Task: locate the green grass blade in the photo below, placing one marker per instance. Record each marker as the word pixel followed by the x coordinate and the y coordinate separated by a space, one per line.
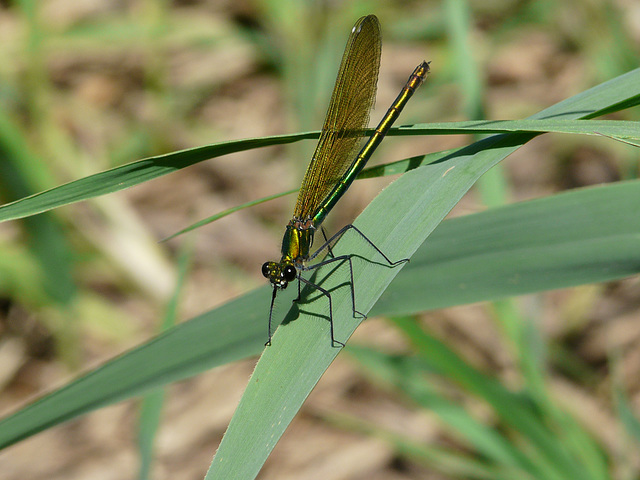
pixel 149 421
pixel 398 221
pixel 226 212
pixel 551 459
pixel 231 332
pixel 629 419
pixel 238 329
pixel 407 375
pixel 20 169
pixel 152 403
pixel 621 128
pixel 582 236
pixel 131 174
pixel 134 173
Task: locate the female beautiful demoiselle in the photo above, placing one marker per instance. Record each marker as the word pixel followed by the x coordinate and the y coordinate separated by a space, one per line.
pixel 335 163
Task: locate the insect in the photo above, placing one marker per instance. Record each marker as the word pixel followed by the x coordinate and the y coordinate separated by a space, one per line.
pixel 336 162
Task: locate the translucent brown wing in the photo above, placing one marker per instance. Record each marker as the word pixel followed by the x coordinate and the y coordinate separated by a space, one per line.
pixel 347 117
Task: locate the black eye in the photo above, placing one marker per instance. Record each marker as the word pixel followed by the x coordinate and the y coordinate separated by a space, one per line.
pixel 289 273
pixel 266 269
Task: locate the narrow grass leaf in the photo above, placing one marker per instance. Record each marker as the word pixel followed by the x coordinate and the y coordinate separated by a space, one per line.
pixel 152 403
pixel 226 212
pixel 135 173
pixel 549 457
pixel 131 174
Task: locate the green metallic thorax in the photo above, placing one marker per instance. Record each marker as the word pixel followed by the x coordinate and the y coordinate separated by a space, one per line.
pixel 297 241
pixel 296 245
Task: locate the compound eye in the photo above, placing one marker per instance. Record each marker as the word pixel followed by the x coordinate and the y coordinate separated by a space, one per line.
pixel 266 269
pixel 289 273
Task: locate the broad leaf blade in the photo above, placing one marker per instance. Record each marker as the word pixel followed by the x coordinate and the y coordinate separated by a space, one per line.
pixel 398 221
pixel 431 280
pixel 577 237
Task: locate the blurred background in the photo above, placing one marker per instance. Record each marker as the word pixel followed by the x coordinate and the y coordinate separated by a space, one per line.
pixel 86 85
